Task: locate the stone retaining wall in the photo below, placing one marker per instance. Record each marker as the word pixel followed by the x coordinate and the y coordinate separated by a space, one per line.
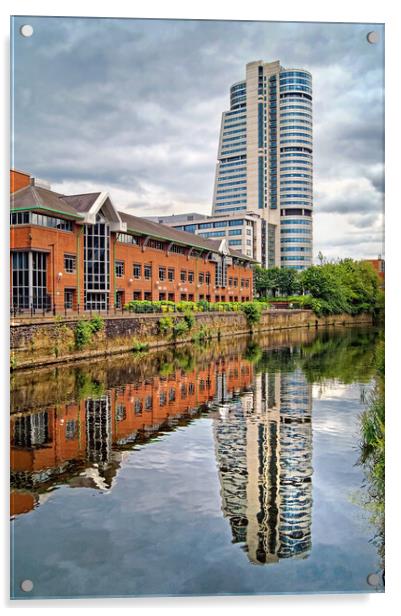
pixel 47 341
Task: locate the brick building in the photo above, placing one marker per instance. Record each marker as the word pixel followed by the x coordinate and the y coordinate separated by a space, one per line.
pixel 78 441
pixel 378 266
pixel 79 252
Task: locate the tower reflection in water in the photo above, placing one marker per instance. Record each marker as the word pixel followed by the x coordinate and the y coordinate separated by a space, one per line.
pixel 263 442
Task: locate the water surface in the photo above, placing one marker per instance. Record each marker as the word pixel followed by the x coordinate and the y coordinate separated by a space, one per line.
pixel 226 469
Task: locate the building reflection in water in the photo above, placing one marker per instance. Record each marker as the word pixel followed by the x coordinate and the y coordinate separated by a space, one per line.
pixel 263 442
pixel 82 442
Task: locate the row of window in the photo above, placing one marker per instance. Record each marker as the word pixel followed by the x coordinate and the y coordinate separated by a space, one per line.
pixel 296 240
pixel 298 231
pixel 164 273
pixel 295 113
pixel 285 182
pixel 221 209
pixel 285 103
pixel 295 258
pixel 230 177
pixel 228 152
pixel 296 87
pixel 296 141
pixel 31 218
pixel 238 139
pixel 297 73
pixel 295 175
pixel 230 202
pixel 232 183
pixel 241 190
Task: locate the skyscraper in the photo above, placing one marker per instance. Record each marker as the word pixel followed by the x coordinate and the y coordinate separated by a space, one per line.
pixel 265 160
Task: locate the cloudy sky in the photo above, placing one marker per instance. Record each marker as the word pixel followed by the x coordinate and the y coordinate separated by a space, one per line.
pixel 134 107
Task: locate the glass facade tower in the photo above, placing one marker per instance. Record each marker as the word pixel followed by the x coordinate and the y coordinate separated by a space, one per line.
pixel 265 160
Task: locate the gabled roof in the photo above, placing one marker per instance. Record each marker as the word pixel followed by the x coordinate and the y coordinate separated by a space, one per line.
pixel 91 204
pixel 36 198
pixel 143 226
pixel 85 207
pixel 82 203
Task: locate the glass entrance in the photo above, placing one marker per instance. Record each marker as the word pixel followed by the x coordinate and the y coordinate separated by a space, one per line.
pixel 97 265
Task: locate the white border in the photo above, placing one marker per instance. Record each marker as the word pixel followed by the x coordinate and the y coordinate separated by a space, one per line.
pixel 340 11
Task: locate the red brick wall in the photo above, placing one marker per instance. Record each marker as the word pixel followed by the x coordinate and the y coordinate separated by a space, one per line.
pixel 58 243
pixel 18 179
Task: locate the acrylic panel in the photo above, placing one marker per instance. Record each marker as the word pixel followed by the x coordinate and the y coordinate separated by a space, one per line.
pixel 197 279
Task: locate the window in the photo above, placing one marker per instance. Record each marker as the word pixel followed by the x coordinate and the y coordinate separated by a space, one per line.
pixel 190 276
pixel 178 249
pixel 119 265
pixel 156 244
pixel 147 272
pixel 191 297
pixel 71 429
pixel 147 296
pixel 68 298
pixel 21 218
pixel 207 277
pixel 162 273
pixel 121 412
pixel 137 295
pixel 183 275
pixel 137 270
pixel 235 282
pixel 201 277
pixel 170 274
pixel 125 238
pixel 70 263
pixel 138 406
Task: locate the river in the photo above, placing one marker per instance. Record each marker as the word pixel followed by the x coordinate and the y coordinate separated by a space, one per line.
pixel 224 468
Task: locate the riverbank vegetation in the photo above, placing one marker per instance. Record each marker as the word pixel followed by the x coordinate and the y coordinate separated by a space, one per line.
pixel 347 286
pixel 373 452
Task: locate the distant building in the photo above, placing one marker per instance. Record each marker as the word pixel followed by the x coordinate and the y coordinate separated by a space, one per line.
pixel 265 160
pixel 242 231
pixel 378 266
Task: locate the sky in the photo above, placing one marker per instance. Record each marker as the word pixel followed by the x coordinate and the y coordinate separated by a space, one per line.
pixel 133 107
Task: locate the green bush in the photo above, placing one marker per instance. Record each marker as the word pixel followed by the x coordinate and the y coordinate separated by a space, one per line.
pixel 180 328
pixel 166 325
pixel 189 320
pixel 252 311
pixel 96 323
pixel 85 329
pixel 83 334
pixel 139 347
pixel 204 334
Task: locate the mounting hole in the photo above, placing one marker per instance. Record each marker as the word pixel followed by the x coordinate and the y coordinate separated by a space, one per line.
pixel 373 579
pixel 26 30
pixel 27 585
pixel 373 37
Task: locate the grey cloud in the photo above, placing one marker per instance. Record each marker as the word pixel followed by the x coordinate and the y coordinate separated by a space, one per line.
pixel 135 105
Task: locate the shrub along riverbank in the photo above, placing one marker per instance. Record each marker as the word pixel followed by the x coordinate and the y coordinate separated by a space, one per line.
pixel 349 287
pixel 373 452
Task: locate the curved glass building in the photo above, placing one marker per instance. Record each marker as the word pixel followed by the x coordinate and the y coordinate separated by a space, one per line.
pixel 265 160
